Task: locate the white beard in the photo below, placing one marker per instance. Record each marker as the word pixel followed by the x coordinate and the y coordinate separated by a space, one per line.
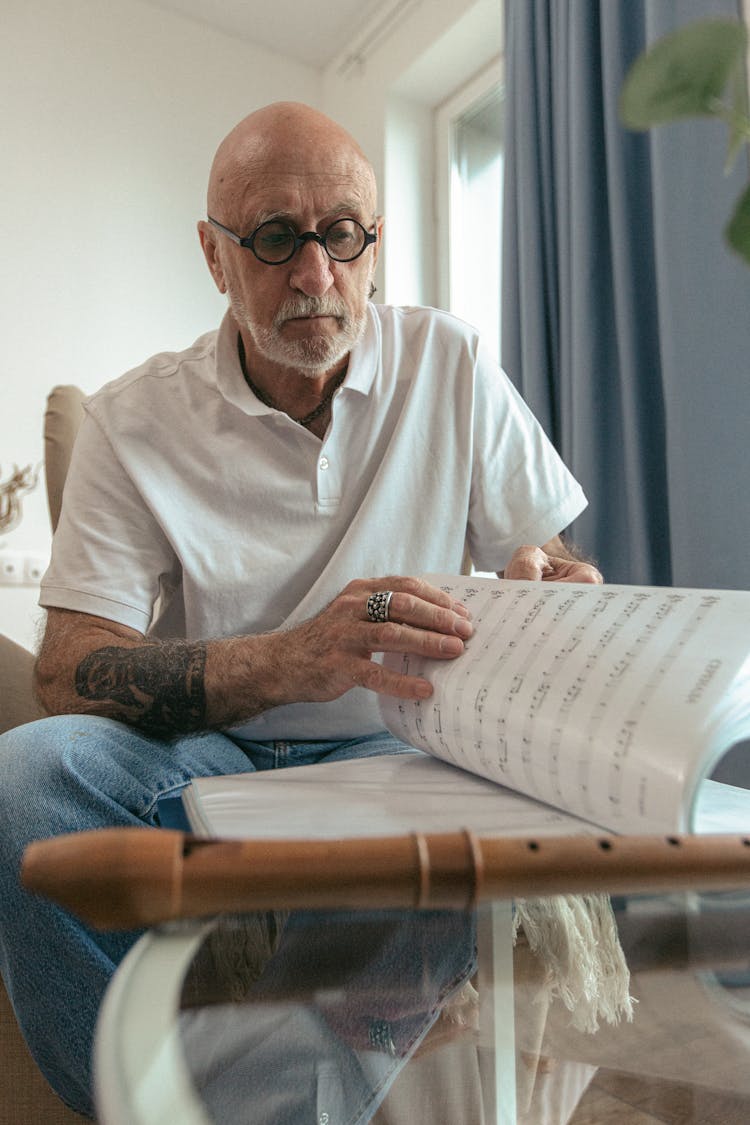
pixel 313 355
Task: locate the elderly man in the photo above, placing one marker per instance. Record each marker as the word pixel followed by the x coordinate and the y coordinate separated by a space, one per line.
pixel 208 605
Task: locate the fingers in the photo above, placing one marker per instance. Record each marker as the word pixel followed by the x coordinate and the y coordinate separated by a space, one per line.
pixel 571 570
pixel 416 612
pixel 423 621
pixel 329 654
pixel 533 564
pixel 529 563
pixel 412 602
pixel 392 637
pixel 384 681
pixel 413 599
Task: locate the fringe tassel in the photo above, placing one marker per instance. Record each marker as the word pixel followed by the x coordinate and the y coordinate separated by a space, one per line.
pixel 575 937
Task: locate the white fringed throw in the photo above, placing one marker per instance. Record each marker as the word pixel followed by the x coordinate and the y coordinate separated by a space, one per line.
pixel 576 939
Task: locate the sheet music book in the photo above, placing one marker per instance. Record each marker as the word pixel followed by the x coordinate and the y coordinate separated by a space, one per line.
pixel 574 708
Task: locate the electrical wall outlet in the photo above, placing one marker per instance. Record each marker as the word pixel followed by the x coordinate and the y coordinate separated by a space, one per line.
pixel 34 567
pixel 22 568
pixel 11 568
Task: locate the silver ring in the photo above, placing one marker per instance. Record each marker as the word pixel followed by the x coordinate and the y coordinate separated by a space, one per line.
pixel 378 605
pixel 380 1036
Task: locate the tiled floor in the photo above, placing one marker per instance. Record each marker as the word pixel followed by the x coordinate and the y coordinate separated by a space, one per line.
pixel 683 1060
pixel 619 1099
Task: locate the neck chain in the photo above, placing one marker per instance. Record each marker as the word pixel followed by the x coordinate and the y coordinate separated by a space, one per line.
pixel 264 398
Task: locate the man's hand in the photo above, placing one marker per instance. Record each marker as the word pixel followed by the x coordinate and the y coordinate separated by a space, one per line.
pixel 93 666
pixel 553 562
pixel 325 657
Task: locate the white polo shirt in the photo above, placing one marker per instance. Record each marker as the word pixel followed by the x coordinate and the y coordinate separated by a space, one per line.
pixel 184 486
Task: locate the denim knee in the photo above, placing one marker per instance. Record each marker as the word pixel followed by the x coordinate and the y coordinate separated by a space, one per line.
pixel 69 773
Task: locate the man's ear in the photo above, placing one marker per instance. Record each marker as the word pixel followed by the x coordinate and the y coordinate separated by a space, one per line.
pixel 379 228
pixel 379 225
pixel 209 246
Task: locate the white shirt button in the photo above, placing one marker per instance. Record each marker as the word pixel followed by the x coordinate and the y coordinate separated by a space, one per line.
pixel 323 463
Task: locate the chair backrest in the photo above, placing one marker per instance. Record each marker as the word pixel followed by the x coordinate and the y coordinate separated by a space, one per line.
pixel 17 703
pixel 61 421
pixel 62 418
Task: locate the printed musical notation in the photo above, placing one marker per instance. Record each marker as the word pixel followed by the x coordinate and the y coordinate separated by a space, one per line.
pixel 565 692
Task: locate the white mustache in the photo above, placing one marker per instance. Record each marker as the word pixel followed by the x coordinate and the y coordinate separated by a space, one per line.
pixel 310 306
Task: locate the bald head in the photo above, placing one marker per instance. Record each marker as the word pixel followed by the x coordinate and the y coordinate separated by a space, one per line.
pixel 285 139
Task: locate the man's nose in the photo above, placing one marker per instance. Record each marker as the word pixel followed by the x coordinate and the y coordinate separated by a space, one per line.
pixel 311 270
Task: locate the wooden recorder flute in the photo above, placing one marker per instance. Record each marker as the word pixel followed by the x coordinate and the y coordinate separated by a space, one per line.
pixel 127 878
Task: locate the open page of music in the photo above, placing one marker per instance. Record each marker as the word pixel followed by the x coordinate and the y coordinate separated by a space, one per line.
pixel 387 795
pixel 610 702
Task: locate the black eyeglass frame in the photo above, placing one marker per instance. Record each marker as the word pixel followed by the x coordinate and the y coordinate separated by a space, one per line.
pixel 248 243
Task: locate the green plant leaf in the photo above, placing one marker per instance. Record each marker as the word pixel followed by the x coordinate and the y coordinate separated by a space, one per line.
pixel 684 74
pixel 738 228
pixel 738 118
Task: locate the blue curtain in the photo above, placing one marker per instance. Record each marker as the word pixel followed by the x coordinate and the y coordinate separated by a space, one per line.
pixel 626 320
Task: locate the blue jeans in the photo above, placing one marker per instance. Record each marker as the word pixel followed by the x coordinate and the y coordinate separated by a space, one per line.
pixel 69 774
pixel 285 1036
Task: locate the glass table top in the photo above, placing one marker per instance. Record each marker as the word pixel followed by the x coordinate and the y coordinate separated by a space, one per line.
pixel 575 1009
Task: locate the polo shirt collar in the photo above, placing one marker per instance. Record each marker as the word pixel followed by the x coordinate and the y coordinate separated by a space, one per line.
pixel 229 378
pixel 363 363
pixel 365 356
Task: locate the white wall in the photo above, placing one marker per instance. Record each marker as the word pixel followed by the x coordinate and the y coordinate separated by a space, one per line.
pixel 112 112
pixel 410 269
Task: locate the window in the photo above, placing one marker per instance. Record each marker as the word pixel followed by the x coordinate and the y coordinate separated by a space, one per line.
pixel 469 146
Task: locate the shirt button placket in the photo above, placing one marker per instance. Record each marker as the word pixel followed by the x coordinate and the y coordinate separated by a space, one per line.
pixel 327 484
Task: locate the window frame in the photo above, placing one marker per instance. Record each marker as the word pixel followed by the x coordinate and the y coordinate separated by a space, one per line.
pixel 446 115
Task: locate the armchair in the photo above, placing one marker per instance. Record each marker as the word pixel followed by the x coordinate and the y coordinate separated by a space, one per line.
pixel 25 1097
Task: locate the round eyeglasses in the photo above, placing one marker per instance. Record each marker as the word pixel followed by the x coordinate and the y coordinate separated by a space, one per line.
pixel 274 242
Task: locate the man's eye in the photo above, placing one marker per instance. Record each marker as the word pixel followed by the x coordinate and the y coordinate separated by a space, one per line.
pixel 343 238
pixel 273 240
pixel 340 237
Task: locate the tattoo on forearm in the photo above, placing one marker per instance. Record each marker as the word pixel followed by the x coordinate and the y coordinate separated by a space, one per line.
pixel 157 687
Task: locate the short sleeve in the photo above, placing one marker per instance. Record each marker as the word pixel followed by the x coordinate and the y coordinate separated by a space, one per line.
pixel 109 555
pixel 521 492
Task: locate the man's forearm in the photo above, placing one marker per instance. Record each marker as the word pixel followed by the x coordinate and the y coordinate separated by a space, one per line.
pixel 164 688
pixel 159 688
pixel 93 666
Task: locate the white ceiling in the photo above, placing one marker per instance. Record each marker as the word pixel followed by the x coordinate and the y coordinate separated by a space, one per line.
pixel 311 31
